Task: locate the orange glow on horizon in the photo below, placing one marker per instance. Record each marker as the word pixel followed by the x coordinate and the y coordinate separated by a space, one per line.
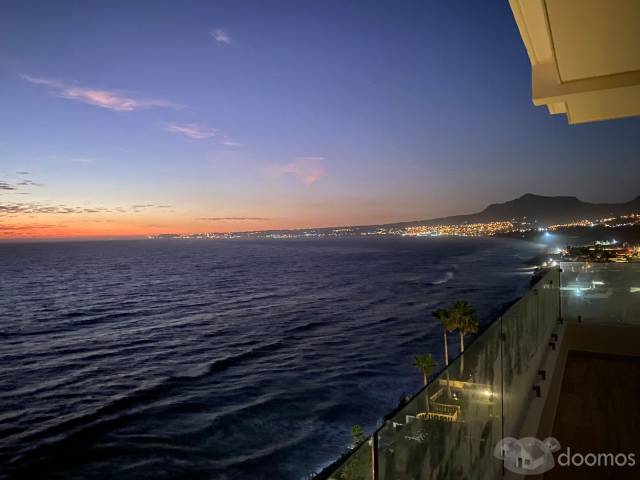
pixel 52 226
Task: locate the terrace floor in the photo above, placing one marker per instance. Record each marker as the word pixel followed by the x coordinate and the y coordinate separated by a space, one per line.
pixel 598 411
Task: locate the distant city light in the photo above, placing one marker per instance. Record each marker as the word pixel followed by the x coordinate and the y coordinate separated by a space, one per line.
pixel 484 229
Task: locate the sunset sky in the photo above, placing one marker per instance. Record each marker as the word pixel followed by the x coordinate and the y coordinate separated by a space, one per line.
pixel 132 118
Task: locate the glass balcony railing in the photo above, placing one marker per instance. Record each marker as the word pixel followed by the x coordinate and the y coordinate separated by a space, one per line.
pixel 450 428
pixel 601 292
pixel 359 465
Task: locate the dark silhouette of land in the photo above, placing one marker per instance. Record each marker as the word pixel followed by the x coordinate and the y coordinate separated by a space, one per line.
pixel 532 210
pixel 540 209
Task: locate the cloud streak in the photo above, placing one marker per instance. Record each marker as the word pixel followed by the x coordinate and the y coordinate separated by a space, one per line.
pixel 221 37
pixel 12 209
pixel 36 208
pixel 146 206
pixel 308 169
pixel 12 230
pixel 239 219
pixel 192 130
pixel 110 99
pixel 27 182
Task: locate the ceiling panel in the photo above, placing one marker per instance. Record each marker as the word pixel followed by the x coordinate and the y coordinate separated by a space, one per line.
pixel 593 38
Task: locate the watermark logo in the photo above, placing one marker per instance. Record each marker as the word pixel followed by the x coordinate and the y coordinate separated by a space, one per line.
pixel 532 456
pixel 527 456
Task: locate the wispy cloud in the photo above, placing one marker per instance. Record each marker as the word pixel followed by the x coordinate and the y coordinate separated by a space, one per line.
pixel 24 182
pixel 192 130
pixel 35 208
pixel 241 219
pixel 142 207
pixel 110 99
pixel 10 209
pixel 43 81
pixel 12 230
pixel 221 37
pixel 307 169
pixel 231 143
pixel 138 208
pixel 27 182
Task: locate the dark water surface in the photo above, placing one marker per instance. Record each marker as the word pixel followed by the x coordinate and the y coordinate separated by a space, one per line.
pixel 245 359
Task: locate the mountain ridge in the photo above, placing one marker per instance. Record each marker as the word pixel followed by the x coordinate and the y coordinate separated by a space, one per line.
pixel 536 210
pixel 540 209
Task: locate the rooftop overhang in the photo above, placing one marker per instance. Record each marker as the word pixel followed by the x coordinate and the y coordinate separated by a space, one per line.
pixel 585 56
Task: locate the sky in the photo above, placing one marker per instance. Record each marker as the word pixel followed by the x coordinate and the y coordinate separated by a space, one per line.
pixel 136 118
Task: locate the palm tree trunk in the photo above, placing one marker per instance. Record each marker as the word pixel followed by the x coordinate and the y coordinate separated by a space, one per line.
pixel 426 391
pixel 446 349
pixel 446 361
pixel 461 352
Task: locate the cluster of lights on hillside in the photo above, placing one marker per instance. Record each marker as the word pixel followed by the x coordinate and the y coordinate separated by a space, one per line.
pixel 462 230
pixel 610 222
pixel 480 229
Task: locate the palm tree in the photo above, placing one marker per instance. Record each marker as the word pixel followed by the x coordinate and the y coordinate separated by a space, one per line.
pixel 357 435
pixel 426 364
pixel 465 320
pixel 444 316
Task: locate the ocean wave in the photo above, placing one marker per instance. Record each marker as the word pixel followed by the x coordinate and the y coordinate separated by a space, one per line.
pixel 218 359
pixel 448 275
pixel 120 409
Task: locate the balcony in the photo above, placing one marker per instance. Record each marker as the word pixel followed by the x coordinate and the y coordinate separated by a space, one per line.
pixel 562 362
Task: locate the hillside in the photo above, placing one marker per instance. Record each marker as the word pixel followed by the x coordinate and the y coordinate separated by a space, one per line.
pixel 542 210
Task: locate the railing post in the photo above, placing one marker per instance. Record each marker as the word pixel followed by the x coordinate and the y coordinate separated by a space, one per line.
pixel 374 456
pixel 503 339
pixel 560 295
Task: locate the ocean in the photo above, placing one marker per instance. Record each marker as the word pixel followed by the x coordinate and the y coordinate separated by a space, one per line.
pixel 223 359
